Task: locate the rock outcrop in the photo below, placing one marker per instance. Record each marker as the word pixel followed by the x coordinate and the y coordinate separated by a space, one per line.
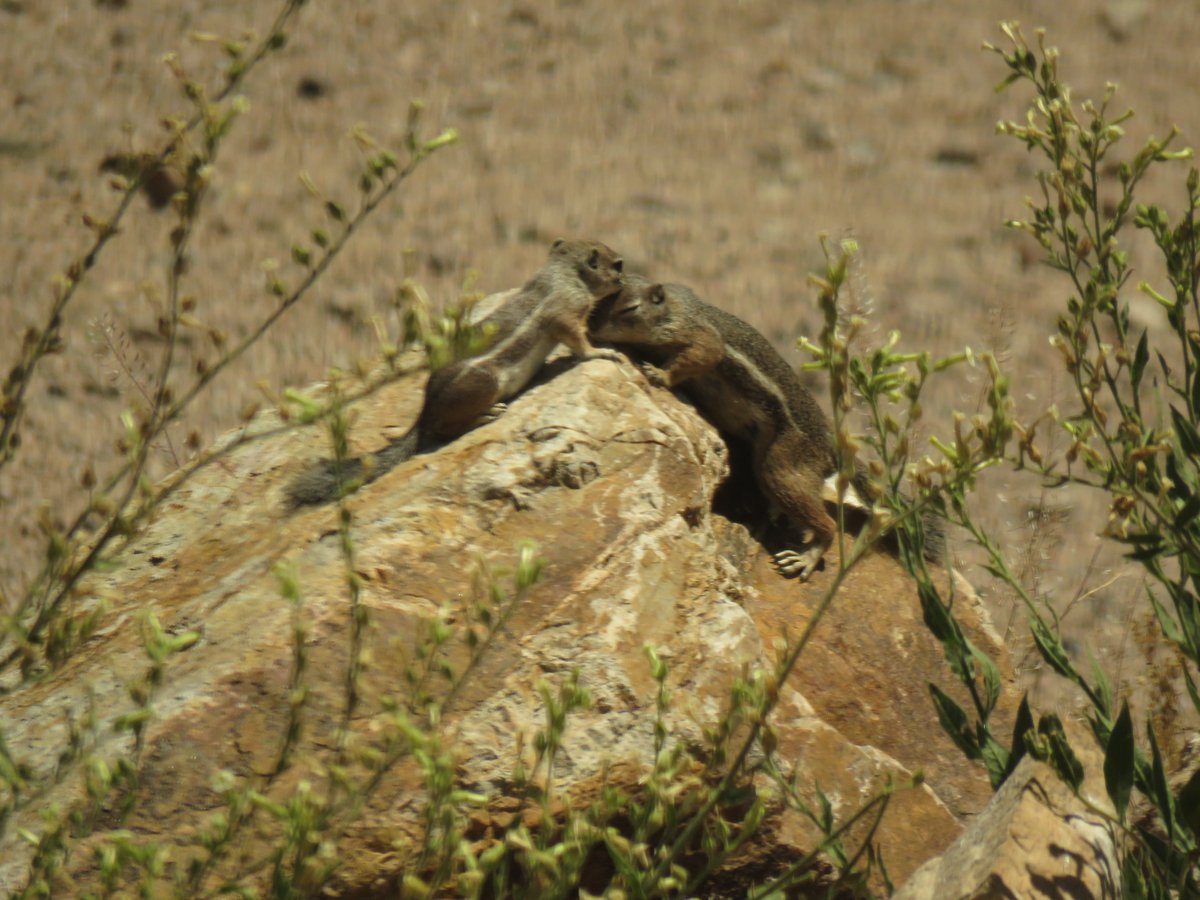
pixel 615 481
pixel 1034 839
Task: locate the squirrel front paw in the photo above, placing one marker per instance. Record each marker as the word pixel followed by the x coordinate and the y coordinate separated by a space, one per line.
pixel 655 375
pixel 792 564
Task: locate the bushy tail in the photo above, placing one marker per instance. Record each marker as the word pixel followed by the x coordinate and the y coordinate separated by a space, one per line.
pixel 328 479
pixel 863 494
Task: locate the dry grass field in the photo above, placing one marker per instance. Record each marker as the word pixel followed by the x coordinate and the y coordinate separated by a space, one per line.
pixel 709 142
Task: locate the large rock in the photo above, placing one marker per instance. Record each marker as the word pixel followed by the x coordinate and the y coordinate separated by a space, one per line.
pixel 1036 838
pixel 615 481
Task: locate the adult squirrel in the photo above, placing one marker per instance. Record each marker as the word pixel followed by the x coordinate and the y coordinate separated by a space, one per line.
pixel 551 308
pixel 746 389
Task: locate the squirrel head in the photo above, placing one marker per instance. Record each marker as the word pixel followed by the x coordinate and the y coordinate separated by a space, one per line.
pixel 639 312
pixel 596 264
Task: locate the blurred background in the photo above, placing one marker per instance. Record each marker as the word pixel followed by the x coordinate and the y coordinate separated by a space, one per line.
pixel 711 143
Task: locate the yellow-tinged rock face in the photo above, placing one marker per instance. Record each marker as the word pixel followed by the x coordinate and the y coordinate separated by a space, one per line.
pixel 615 482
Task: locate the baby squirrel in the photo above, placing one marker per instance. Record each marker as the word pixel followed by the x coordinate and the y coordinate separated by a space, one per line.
pixel 551 308
pixel 745 388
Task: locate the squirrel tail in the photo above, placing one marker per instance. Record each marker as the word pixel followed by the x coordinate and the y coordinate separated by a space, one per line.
pixel 933 536
pixel 328 479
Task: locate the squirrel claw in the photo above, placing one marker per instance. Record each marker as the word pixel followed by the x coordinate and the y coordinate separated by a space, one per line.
pixel 798 565
pixel 495 411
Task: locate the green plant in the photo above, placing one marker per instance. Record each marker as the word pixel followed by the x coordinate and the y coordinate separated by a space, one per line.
pixel 1132 437
pixel 44 627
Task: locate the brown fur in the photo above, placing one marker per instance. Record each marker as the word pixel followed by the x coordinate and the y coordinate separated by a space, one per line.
pixel 746 390
pixel 551 308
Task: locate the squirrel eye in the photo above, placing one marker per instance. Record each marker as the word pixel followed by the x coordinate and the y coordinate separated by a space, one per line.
pixel 657 294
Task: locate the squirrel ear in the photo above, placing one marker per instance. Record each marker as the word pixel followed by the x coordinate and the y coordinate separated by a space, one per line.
pixel 558 243
pixel 658 294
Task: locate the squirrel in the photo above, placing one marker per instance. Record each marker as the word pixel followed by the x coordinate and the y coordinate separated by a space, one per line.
pixel 551 308
pixel 746 389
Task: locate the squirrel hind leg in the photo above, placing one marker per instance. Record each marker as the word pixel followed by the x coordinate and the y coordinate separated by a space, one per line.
pixel 459 401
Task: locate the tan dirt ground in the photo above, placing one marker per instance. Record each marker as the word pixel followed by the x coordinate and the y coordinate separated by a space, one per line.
pixel 709 142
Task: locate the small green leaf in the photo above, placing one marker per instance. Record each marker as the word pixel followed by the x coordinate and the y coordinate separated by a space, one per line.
pixel 826 818
pixel 995 758
pixel 955 723
pixel 1133 879
pixel 1009 79
pixel 1189 804
pixel 1189 440
pixel 183 641
pixel 1051 647
pixel 991 675
pixel 1194 394
pixel 1163 365
pixel 1169 628
pixel 1193 691
pixel 1023 725
pixel 1159 786
pixel 1118 762
pixel 1060 757
pixel 1102 687
pixel 133 719
pixel 939 621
